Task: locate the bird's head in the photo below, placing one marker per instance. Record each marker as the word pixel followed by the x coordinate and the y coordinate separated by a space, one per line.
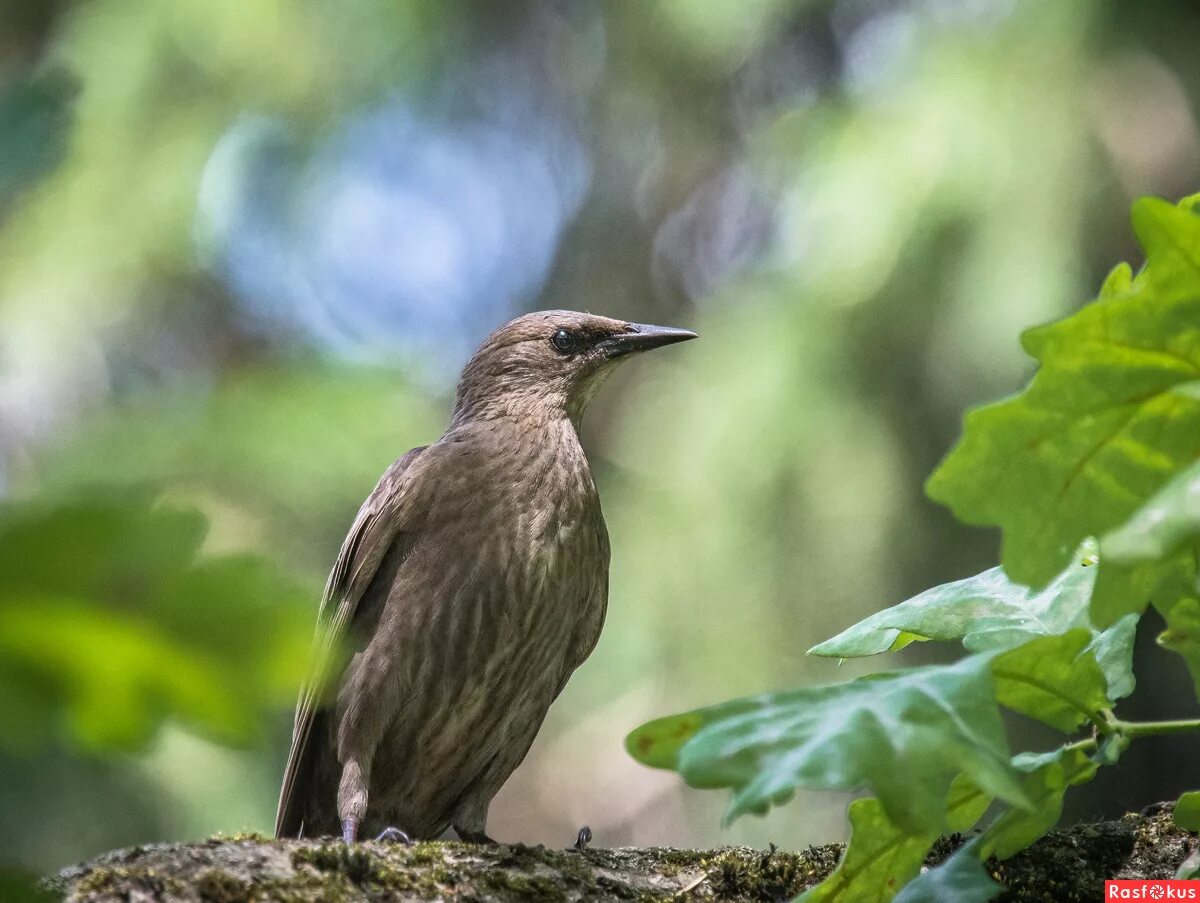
pixel 551 363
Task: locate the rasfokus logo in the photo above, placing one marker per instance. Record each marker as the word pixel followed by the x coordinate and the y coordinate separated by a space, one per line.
pixel 1165 889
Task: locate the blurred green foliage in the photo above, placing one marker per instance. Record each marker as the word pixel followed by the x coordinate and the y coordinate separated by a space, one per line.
pixel 160 83
pixel 296 445
pixel 35 120
pixel 109 622
pixel 21 887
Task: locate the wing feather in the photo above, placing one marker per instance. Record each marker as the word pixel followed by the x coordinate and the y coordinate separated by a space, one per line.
pixel 377 526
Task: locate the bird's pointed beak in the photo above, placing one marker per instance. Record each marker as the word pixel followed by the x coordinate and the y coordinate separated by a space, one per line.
pixel 643 337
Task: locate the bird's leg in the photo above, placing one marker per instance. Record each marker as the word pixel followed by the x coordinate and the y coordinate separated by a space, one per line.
pixel 583 838
pixel 466 835
pixel 352 799
pixel 393 835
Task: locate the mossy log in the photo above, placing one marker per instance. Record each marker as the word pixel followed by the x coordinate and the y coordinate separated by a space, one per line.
pixel 1067 865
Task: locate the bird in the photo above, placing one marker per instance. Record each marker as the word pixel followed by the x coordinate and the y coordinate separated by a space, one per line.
pixel 472 583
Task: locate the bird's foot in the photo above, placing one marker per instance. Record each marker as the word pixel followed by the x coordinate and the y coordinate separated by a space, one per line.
pixel 582 839
pixel 350 830
pixel 468 836
pixel 393 835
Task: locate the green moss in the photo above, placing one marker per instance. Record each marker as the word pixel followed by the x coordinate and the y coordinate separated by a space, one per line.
pixel 425 853
pixel 771 875
pixel 420 870
pixel 104 881
pixel 681 858
pixel 509 872
pixel 306 889
pixel 250 837
pixel 97 881
pixel 355 862
pixel 217 886
pixel 521 886
pixel 670 865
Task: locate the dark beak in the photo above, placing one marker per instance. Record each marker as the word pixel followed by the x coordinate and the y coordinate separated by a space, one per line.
pixel 640 337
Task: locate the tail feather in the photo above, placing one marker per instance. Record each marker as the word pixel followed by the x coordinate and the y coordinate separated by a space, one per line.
pixel 298 781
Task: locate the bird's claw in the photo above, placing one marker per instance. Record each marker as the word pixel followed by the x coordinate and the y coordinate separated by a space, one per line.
pixel 582 839
pixel 393 835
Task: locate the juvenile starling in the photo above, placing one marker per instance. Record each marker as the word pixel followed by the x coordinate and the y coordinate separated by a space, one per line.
pixel 473 582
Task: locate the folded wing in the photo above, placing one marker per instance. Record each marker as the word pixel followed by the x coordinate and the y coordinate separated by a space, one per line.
pixel 378 527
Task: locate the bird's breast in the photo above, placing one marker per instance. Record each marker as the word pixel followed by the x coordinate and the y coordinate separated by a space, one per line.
pixel 517 552
pixel 550 538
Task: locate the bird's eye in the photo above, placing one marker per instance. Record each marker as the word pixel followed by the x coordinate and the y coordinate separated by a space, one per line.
pixel 563 342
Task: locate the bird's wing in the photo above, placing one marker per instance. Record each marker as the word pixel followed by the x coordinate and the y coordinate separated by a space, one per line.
pixel 380 521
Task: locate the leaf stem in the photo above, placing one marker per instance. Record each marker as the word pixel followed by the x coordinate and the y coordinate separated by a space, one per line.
pixel 1153 728
pixel 1102 724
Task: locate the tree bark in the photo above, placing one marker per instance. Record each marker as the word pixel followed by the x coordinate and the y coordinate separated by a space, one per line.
pixel 1066 865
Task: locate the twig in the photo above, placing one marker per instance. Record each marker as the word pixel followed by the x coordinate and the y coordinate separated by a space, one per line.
pixel 691 887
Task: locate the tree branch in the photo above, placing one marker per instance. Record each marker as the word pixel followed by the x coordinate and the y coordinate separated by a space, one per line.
pixel 1064 866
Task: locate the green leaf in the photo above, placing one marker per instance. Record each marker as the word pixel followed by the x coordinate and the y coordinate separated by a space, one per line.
pixel 111 622
pixel 902 734
pixel 1159 542
pixel 1183 635
pixel 1187 811
pixel 960 879
pixel 1112 748
pixel 1190 867
pixel 1161 525
pixel 1123 588
pixel 1054 679
pixel 1117 282
pixel 989 611
pixel 1113 649
pixel 1048 777
pixel 879 859
pixel 1187 816
pixel 965 804
pixel 116 544
pixel 116 676
pixel 1108 419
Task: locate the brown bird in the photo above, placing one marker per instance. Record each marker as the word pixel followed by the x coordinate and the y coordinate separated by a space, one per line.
pixel 473 582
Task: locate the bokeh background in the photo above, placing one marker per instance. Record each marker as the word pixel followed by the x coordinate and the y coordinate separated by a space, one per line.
pixel 245 246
